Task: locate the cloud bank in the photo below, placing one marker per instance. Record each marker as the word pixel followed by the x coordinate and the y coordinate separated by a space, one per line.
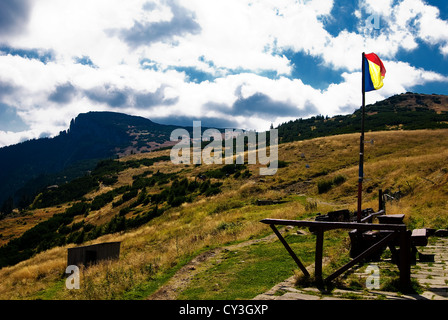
pixel 242 63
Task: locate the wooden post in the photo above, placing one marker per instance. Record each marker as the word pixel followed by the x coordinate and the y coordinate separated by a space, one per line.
pixel 380 200
pixel 318 255
pixel 405 261
pixel 361 142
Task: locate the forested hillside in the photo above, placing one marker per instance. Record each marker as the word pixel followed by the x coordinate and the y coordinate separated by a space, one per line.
pixel 409 111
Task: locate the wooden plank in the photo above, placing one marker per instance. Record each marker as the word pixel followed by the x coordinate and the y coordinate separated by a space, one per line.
pixel 327 225
pixel 372 215
pixel 291 253
pixel 391 218
pixel 419 233
pixel 419 237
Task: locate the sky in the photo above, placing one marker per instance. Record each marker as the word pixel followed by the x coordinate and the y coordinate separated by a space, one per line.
pixel 228 63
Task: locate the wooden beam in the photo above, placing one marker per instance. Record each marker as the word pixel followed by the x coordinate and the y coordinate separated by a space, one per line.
pixel 327 225
pixel 370 216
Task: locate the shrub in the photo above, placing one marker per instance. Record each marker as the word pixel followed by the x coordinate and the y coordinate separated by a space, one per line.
pixel 109 180
pixel 129 195
pixel 124 211
pixel 73 190
pixel 325 185
pixel 246 174
pixel 282 164
pixel 212 191
pixel 339 179
pixel 229 226
pixel 204 186
pixel 102 199
pixel 77 209
pixel 176 201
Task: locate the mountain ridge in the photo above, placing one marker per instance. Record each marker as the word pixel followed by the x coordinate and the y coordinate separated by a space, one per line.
pixel 91 137
pixel 32 165
pixel 407 111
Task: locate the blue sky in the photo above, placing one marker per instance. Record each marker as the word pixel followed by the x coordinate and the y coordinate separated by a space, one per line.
pixel 241 63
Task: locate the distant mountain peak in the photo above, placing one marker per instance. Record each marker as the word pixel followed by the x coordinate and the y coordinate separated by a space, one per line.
pixel 90 137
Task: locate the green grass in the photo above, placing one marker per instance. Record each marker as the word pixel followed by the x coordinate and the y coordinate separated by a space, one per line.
pixel 249 271
pixel 146 288
pixel 51 292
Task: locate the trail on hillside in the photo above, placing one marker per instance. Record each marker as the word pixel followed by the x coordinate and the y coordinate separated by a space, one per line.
pixel 182 278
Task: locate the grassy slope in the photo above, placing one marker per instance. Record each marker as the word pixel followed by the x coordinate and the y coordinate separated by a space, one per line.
pixel 414 162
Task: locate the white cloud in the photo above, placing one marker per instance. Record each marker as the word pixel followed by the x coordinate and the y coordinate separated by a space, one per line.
pixel 421 20
pixel 401 75
pixel 237 40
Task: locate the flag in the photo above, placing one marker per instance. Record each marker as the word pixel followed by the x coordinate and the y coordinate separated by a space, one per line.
pixel 374 72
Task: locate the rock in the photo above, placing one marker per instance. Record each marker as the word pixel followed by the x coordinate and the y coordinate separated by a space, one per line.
pixel 441 233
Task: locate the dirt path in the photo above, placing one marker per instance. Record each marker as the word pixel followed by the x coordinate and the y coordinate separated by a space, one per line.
pixel 202 262
pixel 433 276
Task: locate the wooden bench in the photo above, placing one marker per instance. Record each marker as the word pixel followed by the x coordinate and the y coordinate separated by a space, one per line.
pixel 391 218
pixel 419 237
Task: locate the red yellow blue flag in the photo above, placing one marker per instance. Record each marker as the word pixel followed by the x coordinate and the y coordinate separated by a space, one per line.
pixel 374 72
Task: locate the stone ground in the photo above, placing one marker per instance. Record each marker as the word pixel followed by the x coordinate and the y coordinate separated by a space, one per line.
pixel 433 276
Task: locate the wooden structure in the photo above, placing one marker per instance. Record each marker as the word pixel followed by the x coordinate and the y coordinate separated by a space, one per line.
pixel 87 255
pixel 261 202
pixel 391 235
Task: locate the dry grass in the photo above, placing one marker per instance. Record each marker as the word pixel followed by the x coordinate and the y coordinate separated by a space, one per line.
pixel 149 250
pixel 416 162
pixel 30 276
pixel 15 225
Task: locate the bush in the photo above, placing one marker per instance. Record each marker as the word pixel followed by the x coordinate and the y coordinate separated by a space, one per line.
pixel 204 186
pixel 228 226
pixel 325 185
pixel 103 199
pixel 124 211
pixel 129 195
pixel 212 191
pixel 176 201
pixel 282 164
pixel 339 179
pixel 246 174
pixel 77 209
pixel 73 190
pixel 109 180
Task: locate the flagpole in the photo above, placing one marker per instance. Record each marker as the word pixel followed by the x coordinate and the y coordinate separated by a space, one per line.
pixel 361 142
